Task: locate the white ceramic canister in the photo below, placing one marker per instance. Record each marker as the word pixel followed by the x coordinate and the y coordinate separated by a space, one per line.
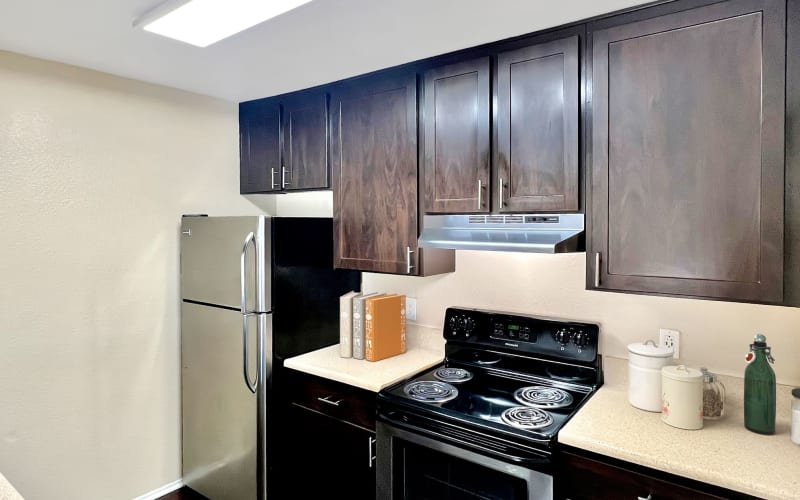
pixel 682 397
pixel 645 360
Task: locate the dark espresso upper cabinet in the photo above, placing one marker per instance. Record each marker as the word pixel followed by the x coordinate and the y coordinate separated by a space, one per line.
pixel 455 137
pixel 536 128
pixel 535 120
pixel 305 141
pixel 284 143
pixel 374 164
pixel 687 153
pixel 259 145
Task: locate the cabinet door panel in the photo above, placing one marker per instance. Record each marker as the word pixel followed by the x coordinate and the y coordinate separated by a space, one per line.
pixel 327 458
pixel 537 128
pixel 305 129
pixel 688 152
pixel 456 138
pixel 374 151
pixel 259 145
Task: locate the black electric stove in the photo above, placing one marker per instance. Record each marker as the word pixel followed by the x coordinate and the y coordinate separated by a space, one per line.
pixel 508 383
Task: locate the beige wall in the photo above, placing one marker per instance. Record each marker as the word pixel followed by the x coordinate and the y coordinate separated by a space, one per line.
pixel 95 172
pixel 713 334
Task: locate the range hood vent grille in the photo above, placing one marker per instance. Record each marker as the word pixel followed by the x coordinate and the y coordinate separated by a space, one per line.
pixel 512 232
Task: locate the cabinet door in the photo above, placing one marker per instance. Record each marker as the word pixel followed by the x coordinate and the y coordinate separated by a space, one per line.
pixel 687 153
pixel 581 478
pixel 305 141
pixel 374 164
pixel 455 131
pixel 259 146
pixel 327 458
pixel 536 149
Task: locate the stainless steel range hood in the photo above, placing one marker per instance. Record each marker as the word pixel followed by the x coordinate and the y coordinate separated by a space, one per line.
pixel 537 233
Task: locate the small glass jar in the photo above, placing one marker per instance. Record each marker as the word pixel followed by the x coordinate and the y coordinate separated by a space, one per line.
pixel 713 396
pixel 796 416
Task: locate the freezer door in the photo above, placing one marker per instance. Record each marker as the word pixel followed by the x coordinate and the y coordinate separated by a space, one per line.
pixel 219 254
pixel 223 443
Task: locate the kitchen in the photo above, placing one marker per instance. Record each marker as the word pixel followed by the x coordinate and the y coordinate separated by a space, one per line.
pixel 97 171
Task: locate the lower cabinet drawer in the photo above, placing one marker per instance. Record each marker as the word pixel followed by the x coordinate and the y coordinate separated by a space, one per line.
pixel 580 477
pixel 341 401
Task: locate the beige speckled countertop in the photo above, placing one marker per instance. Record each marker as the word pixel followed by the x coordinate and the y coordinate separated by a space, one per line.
pixel 723 453
pixel 373 376
pixel 7 492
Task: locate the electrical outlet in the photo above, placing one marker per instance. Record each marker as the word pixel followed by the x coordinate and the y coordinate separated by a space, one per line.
pixel 411 309
pixel 670 338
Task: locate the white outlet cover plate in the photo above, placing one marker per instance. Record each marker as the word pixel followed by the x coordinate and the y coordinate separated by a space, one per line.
pixel 676 335
pixel 411 309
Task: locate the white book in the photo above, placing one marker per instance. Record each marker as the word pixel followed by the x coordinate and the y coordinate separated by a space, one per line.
pixel 346 324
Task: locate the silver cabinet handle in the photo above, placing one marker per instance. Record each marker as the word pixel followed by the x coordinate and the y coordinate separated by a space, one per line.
pixel 248 240
pixel 284 183
pixel 371 455
pixel 597 270
pixel 480 194
pixel 409 267
pixel 500 193
pixel 272 177
pixel 326 400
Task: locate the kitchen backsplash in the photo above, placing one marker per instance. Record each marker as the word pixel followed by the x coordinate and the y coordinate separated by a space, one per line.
pixel 714 334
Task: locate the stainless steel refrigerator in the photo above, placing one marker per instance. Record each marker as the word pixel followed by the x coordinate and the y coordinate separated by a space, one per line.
pixel 255 290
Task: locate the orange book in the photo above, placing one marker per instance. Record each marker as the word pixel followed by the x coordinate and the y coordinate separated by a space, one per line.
pixel 384 326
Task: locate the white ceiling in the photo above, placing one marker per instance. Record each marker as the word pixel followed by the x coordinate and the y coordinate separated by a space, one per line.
pixel 320 42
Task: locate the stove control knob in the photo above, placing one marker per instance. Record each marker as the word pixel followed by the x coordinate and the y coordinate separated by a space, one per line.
pixel 563 336
pixel 580 339
pixel 469 325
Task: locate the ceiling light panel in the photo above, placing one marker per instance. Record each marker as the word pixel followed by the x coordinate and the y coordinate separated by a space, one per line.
pixel 203 22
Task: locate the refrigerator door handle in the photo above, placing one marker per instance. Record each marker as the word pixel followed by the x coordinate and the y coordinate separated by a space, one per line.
pixel 253 386
pixel 249 239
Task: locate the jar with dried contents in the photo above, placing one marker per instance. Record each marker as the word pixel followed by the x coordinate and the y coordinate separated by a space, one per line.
pixel 713 396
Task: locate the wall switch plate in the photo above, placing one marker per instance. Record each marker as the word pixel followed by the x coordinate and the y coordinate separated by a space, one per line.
pixel 411 309
pixel 670 338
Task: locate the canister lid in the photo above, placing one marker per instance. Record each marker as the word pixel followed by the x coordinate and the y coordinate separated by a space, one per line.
pixel 650 349
pixel 682 373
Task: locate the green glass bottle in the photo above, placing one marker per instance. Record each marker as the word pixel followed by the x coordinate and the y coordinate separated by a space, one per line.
pixel 759 388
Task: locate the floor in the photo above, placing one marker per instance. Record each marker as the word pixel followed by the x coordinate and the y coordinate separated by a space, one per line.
pixel 183 494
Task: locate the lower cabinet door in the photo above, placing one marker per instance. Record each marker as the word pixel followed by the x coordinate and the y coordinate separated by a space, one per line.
pixel 579 477
pixel 327 458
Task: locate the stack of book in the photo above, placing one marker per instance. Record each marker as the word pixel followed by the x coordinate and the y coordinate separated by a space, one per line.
pixel 372 326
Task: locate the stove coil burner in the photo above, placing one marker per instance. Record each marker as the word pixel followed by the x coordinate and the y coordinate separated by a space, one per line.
pixel 543 397
pixel 452 375
pixel 430 391
pixel 527 418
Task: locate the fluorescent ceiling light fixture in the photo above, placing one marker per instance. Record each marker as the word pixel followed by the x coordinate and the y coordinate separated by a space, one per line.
pixel 203 22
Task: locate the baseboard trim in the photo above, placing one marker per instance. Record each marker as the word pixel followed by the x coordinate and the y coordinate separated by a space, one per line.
pixel 160 492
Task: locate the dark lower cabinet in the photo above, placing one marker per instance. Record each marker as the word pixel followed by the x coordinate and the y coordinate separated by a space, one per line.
pixel 586 476
pixel 328 440
pixel 687 151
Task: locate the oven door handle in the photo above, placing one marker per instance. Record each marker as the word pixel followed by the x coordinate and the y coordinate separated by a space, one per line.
pixel 444 435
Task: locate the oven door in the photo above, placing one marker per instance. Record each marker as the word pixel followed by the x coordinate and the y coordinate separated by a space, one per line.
pixel 413 465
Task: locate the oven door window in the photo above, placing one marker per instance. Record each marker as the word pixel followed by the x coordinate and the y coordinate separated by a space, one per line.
pixel 432 475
